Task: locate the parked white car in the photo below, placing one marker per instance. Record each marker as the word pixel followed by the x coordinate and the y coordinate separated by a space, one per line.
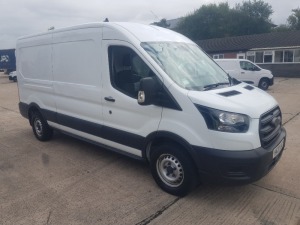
pixel 247 71
pixel 13 76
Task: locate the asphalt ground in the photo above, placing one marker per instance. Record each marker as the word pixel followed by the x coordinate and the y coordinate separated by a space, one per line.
pixel 67 181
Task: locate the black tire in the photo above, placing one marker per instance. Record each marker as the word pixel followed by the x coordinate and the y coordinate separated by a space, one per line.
pixel 15 79
pixel 40 127
pixel 173 169
pixel 264 84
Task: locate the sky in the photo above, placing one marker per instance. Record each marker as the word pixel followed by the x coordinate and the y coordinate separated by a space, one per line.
pixel 23 17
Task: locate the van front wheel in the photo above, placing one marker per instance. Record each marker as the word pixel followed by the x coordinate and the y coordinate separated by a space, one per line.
pixel 173 170
pixel 263 84
pixel 40 127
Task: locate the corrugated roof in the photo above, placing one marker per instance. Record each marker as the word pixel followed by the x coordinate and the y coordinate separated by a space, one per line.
pixel 247 42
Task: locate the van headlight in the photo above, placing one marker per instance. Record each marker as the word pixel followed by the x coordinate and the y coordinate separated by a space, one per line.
pixel 224 121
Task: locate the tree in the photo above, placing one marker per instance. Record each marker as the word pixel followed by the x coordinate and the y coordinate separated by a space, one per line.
pixel 217 21
pixel 161 23
pixel 256 9
pixel 206 22
pixel 258 14
pixel 281 28
pixel 294 19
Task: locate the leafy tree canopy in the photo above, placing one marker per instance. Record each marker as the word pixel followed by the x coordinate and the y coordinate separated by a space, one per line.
pixel 281 28
pixel 216 21
pixel 294 19
pixel 256 9
pixel 161 23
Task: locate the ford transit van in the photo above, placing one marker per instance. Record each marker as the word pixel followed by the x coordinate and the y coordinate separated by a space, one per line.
pixel 152 94
pixel 247 71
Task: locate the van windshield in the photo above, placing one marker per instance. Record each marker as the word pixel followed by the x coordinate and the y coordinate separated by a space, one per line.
pixel 187 65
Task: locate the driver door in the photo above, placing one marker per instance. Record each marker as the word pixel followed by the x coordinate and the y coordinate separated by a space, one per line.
pixel 249 72
pixel 126 123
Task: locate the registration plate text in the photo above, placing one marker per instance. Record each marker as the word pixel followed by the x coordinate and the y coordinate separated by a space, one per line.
pixel 278 149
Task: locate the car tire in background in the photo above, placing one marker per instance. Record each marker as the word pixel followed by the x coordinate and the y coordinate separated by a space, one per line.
pixel 264 84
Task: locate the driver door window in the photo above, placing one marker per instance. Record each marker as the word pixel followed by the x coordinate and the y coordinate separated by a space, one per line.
pixel 126 70
pixel 248 66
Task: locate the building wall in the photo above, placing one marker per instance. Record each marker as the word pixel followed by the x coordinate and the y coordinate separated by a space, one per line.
pixel 277 69
pixel 231 55
pixel 283 62
pixel 283 70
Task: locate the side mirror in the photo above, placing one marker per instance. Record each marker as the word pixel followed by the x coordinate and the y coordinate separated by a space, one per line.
pixel 147 91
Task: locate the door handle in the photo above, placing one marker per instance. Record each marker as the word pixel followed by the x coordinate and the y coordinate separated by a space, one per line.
pixel 109 99
pixel 242 72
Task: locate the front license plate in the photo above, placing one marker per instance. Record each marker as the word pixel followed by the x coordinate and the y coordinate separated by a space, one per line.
pixel 278 149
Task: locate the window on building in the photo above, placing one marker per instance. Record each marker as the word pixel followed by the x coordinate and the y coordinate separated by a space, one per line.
pixel 268 56
pixel 275 56
pixel 218 56
pixel 288 56
pixel 251 58
pixel 259 57
pixel 278 56
pixel 297 55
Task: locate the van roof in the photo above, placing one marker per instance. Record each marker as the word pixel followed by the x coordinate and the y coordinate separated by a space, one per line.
pixel 144 33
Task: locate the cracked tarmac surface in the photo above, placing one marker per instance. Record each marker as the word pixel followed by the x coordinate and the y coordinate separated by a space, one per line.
pixel 67 181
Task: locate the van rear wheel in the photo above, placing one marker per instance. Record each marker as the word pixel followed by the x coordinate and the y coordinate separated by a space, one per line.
pixel 173 170
pixel 40 127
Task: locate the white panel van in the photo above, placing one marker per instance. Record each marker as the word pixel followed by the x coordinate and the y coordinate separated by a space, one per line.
pixel 152 94
pixel 247 71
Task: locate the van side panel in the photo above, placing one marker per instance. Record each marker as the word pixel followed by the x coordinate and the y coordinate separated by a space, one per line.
pixel 77 75
pixel 34 71
pixel 232 67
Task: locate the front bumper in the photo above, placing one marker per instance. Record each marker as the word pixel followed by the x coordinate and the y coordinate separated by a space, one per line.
pixel 271 81
pixel 241 167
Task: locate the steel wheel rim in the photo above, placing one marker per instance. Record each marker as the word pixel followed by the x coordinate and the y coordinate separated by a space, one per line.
pixel 264 84
pixel 170 170
pixel 38 127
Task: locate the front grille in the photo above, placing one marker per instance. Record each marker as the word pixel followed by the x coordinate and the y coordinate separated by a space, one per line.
pixel 270 127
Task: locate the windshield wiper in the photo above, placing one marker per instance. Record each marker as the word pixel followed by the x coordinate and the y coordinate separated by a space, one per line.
pixel 212 86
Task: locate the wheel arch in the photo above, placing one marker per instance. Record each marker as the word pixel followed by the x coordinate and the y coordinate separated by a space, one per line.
pixel 159 137
pixel 264 78
pixel 33 107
